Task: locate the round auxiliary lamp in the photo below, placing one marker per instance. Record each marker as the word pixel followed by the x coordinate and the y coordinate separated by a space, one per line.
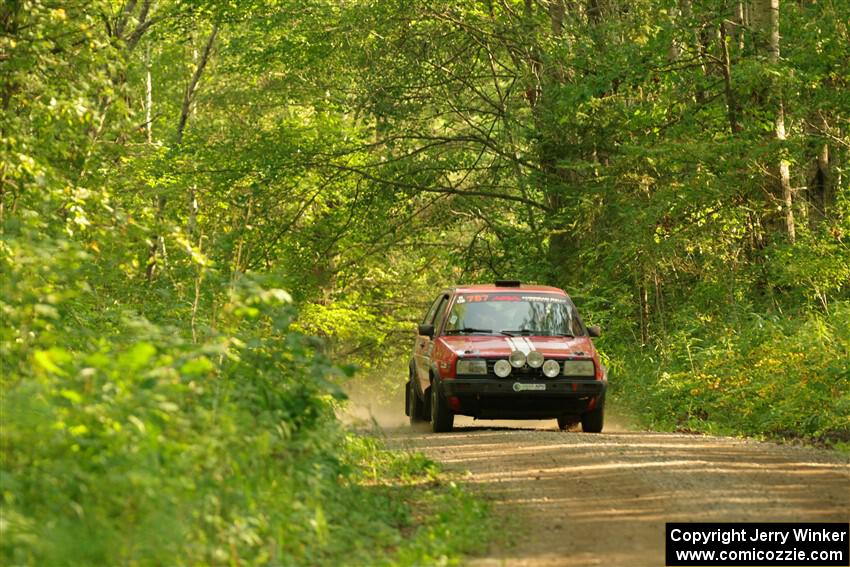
pixel 551 368
pixel 517 359
pixel 502 368
pixel 535 359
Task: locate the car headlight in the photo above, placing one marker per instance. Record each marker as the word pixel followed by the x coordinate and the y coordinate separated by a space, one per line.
pixel 471 367
pixel 579 368
pixel 502 368
pixel 517 359
pixel 535 359
pixel 551 368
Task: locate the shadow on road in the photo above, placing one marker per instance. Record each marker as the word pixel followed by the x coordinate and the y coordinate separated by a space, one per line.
pixel 569 498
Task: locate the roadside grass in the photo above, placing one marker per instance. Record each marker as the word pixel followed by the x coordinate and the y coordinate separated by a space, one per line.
pixel 436 520
pixel 403 509
pixel 380 508
pixel 786 380
pixel 127 441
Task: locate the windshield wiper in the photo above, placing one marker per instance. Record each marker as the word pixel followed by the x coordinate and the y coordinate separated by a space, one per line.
pixel 521 332
pixel 530 332
pixel 467 330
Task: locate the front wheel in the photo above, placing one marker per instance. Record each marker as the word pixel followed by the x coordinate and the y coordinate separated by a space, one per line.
pixel 592 421
pixel 442 419
pixel 415 406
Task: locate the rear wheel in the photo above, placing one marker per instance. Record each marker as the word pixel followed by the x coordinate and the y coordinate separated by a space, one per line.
pixel 565 423
pixel 415 406
pixel 442 419
pixel 592 421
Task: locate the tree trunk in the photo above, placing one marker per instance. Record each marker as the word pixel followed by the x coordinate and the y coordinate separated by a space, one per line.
pixel 821 184
pixel 643 299
pixel 148 97
pixel 188 97
pixel 785 178
pixel 700 43
pixel 768 28
pixel 561 245
pixel 741 18
pixel 731 102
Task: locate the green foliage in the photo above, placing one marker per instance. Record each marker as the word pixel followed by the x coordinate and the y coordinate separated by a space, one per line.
pixel 176 415
pixel 136 445
pixel 784 377
pixel 436 521
pixel 168 168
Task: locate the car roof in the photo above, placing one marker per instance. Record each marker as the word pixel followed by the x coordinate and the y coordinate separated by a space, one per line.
pixel 490 288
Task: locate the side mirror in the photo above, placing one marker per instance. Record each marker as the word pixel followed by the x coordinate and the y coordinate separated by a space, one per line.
pixel 594 331
pixel 426 330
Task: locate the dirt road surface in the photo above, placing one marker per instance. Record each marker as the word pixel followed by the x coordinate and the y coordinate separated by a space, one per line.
pixel 570 498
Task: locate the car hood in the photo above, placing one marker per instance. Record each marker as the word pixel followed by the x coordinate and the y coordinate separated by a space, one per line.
pixel 492 347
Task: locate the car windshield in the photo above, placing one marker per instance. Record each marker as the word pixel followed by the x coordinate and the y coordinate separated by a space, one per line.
pixel 513 314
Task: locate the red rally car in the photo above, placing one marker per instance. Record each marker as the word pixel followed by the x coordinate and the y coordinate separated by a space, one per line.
pixel 508 351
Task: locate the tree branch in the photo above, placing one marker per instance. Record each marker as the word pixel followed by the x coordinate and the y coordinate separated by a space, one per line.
pixel 193 84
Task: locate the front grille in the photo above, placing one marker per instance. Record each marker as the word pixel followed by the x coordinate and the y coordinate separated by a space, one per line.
pixel 525 373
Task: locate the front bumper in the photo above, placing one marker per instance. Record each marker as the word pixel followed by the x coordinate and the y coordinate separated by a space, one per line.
pixel 515 398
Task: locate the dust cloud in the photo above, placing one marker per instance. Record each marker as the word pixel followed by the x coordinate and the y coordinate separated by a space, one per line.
pixel 374 403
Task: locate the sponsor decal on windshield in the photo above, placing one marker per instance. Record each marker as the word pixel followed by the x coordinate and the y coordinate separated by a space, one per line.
pixel 544 298
pixel 481 298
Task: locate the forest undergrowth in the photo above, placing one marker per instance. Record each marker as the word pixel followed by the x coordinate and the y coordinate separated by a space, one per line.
pixel 214 213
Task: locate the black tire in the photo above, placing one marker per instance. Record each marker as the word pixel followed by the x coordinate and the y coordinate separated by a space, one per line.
pixel 407 398
pixel 442 419
pixel 564 423
pixel 415 407
pixel 592 421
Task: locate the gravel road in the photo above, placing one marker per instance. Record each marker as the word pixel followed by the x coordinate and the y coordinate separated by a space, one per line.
pixel 569 498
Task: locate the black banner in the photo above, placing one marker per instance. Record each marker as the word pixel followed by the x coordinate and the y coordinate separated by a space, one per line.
pixel 758 544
